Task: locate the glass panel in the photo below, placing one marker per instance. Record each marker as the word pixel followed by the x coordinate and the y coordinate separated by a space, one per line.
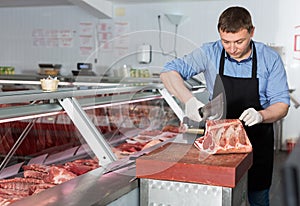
pixel 128 128
pixel 53 150
pixel 50 140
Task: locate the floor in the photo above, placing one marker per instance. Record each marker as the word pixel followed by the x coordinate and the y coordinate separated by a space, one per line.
pixel 275 192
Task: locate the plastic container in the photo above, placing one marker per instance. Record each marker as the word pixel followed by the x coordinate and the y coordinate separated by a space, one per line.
pixel 124 71
pixel 7 70
pixel 49 85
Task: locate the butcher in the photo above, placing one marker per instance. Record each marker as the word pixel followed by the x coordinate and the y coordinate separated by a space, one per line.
pixel 253 79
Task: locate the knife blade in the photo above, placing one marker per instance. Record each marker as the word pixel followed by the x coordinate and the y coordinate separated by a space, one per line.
pixel 213 110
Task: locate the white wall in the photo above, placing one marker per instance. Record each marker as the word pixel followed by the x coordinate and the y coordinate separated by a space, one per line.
pixel 16 40
pixel 274 22
pixel 289 18
pixel 199 24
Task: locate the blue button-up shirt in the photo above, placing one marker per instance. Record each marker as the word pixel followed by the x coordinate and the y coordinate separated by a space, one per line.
pixel 273 86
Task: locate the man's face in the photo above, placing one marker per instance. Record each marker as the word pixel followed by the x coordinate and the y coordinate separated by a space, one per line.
pixel 237 45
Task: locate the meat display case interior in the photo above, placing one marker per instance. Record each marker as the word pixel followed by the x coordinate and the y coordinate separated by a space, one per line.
pixel 51 138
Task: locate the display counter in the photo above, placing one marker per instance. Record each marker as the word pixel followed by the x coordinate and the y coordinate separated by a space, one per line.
pixel 32 81
pixel 27 81
pixel 93 188
pixel 102 133
pixel 78 146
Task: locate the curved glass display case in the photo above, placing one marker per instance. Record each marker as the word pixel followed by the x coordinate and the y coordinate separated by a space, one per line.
pixel 62 147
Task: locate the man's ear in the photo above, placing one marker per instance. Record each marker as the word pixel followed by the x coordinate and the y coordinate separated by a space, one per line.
pixel 252 32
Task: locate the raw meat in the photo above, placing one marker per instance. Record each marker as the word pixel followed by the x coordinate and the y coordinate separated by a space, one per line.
pixel 36 167
pixel 34 189
pixel 13 192
pixel 38 178
pixel 151 132
pixel 34 174
pixel 49 174
pixel 14 189
pixel 152 143
pixel 81 166
pixel 4 201
pixel 131 147
pixel 18 183
pixel 58 175
pixel 171 128
pixel 224 136
pixel 140 139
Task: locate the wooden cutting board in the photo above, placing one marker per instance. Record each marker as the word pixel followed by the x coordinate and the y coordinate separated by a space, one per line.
pixel 180 162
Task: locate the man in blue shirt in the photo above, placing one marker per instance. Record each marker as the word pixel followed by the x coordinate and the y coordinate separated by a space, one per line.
pixel 253 79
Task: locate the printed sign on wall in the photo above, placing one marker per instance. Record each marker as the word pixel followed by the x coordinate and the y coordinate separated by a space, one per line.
pixel 52 38
pixel 86 38
pixel 297 43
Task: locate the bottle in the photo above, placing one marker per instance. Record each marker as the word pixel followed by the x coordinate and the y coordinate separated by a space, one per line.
pixel 125 70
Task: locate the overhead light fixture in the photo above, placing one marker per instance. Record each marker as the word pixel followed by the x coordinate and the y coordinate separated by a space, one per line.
pixel 175 19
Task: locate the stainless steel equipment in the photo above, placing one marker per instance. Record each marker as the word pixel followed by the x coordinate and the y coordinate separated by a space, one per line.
pixel 49 69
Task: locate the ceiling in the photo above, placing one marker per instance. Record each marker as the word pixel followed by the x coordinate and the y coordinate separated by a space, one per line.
pixel 21 3
pixel 143 1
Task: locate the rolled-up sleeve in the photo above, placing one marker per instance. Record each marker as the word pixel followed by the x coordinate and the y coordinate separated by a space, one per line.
pixel 273 86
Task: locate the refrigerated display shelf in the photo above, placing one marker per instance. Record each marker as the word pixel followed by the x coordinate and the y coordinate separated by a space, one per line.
pixel 83 120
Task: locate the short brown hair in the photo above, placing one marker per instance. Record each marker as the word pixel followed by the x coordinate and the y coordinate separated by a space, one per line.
pixel 233 19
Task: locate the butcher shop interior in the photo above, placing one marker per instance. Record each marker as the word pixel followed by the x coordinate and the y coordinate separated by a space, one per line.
pixel 85 118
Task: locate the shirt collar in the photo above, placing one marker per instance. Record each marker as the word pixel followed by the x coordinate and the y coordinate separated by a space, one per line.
pixel 244 60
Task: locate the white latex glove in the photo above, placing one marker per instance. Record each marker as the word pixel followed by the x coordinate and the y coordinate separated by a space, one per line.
pixel 251 117
pixel 191 109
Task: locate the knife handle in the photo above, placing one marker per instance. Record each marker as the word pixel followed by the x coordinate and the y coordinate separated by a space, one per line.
pixel 193 124
pixel 190 123
pixel 195 131
pixel 200 112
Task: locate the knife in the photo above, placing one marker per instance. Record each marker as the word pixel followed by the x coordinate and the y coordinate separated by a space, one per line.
pixel 213 110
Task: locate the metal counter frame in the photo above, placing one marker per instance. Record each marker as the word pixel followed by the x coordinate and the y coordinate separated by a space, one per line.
pixel 161 192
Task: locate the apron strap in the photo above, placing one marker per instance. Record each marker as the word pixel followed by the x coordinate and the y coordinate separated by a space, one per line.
pixel 222 62
pixel 254 61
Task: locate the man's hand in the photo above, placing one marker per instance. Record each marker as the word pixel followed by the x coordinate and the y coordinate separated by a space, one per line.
pixel 251 117
pixel 192 107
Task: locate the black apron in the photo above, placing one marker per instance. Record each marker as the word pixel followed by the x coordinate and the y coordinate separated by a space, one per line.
pixel 241 94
